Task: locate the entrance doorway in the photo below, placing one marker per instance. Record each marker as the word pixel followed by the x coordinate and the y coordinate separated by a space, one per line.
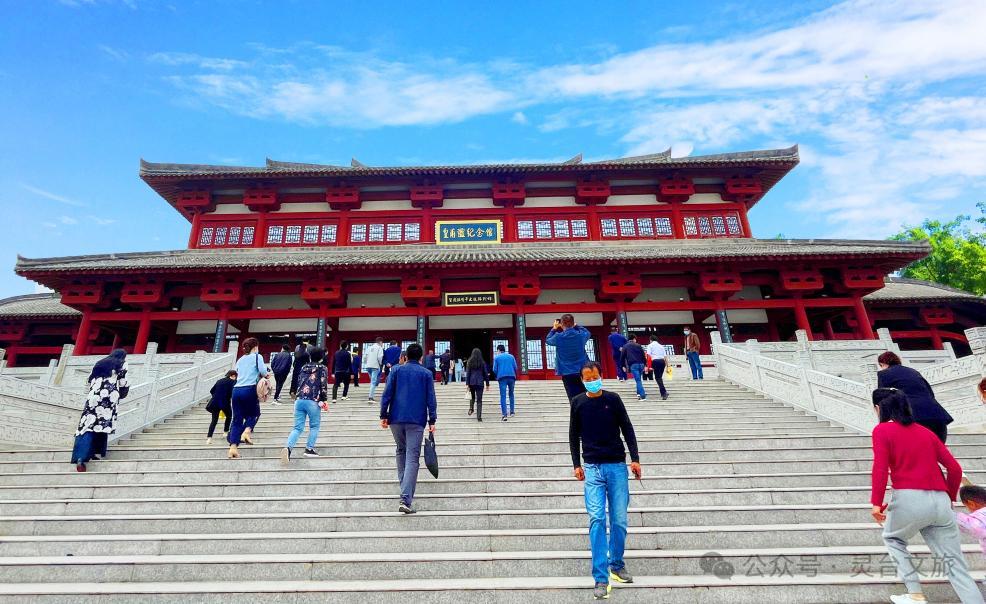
pixel 464 340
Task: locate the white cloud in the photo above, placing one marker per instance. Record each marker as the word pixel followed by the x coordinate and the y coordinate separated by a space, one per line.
pixel 518 117
pixel 115 53
pixel 101 221
pixel 52 196
pixel 67 220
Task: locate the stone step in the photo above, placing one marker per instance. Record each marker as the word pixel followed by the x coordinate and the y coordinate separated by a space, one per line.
pixel 443 565
pixel 846 588
pixel 428 501
pixel 441 540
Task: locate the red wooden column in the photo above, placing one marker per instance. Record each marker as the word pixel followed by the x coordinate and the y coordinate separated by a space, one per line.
pixel 745 222
pixel 865 327
pixel 260 235
pixel 193 238
pixel 936 339
pixel 427 225
pixel 801 316
pixel 82 337
pixel 143 331
pixel 677 222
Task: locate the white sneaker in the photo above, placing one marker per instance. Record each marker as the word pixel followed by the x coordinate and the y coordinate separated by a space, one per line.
pixel 905 599
pixel 208 441
pixel 345 398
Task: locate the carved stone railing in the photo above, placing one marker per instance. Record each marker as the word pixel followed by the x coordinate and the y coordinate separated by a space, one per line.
pixel 844 401
pixel 36 414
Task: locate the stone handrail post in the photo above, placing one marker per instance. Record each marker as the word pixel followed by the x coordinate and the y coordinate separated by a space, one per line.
pixel 63 363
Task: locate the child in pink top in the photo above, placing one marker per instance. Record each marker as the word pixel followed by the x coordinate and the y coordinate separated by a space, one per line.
pixel 973 523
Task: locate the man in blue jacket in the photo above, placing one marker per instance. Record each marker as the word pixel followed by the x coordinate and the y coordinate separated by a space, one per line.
pixel 505 370
pixel 408 403
pixel 616 343
pixel 391 357
pixel 568 340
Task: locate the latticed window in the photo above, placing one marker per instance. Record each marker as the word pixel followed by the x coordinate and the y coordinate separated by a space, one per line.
pixel 205 237
pixel 645 226
pixel 535 356
pixel 543 229
pixel 248 235
pixel 691 228
pixel 412 231
pixel 234 235
pixel 394 231
pixel 525 229
pixel 292 234
pixel 609 227
pixel 376 232
pixel 580 228
pixel 718 226
pixel 221 235
pixel 627 228
pixel 663 226
pixel 329 233
pixel 357 233
pixel 704 226
pixel 733 225
pixel 311 233
pixel 561 229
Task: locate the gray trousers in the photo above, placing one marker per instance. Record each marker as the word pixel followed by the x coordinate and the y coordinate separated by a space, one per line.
pixel 408 438
pixel 929 513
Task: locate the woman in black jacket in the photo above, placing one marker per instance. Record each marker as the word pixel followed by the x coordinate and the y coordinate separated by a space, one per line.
pixel 928 412
pixel 222 400
pixel 477 374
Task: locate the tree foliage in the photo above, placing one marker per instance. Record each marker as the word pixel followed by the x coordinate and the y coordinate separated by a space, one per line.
pixel 958 252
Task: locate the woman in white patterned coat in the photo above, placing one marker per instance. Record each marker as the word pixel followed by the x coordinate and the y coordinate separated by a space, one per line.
pixel 107 385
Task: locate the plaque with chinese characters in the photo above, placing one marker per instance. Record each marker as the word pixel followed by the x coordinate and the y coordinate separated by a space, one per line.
pixel 471 299
pixel 465 232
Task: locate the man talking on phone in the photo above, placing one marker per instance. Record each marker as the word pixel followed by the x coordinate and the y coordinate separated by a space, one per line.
pixel 568 340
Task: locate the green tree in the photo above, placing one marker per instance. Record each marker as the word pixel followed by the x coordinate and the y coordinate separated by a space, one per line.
pixel 958 253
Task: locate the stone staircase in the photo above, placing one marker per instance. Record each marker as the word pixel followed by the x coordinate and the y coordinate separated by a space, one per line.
pixel 779 497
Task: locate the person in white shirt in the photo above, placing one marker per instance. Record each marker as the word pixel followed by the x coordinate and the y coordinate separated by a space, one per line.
pixel 372 362
pixel 658 361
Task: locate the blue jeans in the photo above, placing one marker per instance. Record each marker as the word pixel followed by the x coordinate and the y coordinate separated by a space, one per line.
pixel 374 380
pixel 607 483
pixel 506 387
pixel 408 438
pixel 695 363
pixel 305 409
pixel 637 369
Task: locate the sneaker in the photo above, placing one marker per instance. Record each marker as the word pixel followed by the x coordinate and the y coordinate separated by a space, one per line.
pixel 345 398
pixel 275 403
pixel 80 467
pixel 664 397
pixel 405 509
pixel 285 455
pixel 503 419
pixel 479 419
pixel 208 441
pixel 311 453
pixel 620 576
pixel 511 414
pixel 601 592
pixel 905 599
pixel 641 398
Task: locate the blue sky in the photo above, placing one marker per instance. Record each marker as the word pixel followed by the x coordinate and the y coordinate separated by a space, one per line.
pixel 887 100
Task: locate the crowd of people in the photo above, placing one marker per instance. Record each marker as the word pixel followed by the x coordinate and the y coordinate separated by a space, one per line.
pixel 909 440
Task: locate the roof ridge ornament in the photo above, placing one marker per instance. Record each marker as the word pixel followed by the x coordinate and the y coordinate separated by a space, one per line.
pixel 574 161
pixel 357 163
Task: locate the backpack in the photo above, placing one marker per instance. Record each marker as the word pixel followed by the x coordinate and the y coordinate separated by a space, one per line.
pixel 310 383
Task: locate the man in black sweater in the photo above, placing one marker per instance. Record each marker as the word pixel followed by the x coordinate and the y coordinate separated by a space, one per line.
pixel 598 417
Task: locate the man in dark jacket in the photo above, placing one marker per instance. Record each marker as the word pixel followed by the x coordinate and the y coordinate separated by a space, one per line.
pixel 302 357
pixel 342 370
pixel 616 344
pixel 927 411
pixel 634 359
pixel 598 418
pixel 281 366
pixel 408 403
pixel 445 365
pixel 429 362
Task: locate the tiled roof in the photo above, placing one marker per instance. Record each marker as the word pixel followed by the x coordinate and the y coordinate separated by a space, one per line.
pixel 658 160
pixel 899 289
pixel 515 254
pixel 35 306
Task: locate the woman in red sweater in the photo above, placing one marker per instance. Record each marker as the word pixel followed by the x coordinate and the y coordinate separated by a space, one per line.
pixel 921 501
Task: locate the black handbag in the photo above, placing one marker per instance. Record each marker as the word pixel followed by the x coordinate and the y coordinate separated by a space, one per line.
pixel 431 455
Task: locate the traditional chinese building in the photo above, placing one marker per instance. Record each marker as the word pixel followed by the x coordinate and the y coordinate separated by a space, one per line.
pixel 476 256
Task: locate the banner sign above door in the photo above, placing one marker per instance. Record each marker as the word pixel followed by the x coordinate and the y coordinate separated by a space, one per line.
pixel 471 299
pixel 465 232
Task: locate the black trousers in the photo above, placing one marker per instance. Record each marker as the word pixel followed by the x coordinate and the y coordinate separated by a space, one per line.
pixel 215 420
pixel 341 377
pixel 445 376
pixel 294 378
pixel 659 365
pixel 939 428
pixel 573 385
pixel 476 397
pixel 356 379
pixel 279 379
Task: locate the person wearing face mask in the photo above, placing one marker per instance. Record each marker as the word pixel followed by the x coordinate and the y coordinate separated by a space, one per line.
pixel 692 348
pixel 598 417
